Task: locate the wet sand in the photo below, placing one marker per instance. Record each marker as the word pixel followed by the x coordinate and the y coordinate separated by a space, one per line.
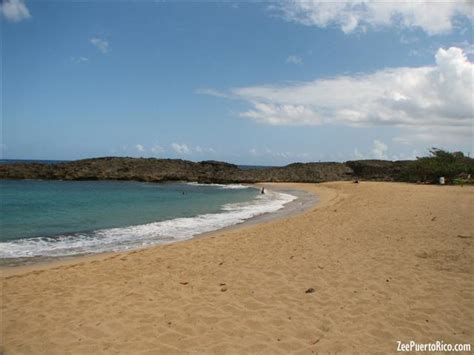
pixel 384 261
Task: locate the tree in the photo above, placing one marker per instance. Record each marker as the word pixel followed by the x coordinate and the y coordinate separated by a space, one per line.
pixel 440 163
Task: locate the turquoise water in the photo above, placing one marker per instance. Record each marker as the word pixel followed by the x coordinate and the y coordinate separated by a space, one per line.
pixel 58 218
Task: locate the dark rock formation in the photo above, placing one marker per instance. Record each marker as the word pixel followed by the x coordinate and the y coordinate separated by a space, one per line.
pixel 158 170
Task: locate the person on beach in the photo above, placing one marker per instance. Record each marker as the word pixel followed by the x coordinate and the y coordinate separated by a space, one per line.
pixel 262 191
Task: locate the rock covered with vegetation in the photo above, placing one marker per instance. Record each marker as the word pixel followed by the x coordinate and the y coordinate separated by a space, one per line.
pixel 158 170
pixel 453 166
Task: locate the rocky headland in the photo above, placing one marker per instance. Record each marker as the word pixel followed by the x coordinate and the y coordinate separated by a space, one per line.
pixel 161 170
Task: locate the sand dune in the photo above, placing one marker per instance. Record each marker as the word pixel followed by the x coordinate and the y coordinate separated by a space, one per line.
pixel 386 262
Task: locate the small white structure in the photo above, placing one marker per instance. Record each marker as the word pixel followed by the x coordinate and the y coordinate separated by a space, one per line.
pixel 441 180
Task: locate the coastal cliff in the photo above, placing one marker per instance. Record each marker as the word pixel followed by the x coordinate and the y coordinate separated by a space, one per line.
pixel 160 170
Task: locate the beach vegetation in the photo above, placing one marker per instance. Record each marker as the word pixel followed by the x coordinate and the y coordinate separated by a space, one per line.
pixel 455 167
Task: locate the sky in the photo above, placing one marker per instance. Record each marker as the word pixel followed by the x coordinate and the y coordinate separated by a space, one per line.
pixel 260 83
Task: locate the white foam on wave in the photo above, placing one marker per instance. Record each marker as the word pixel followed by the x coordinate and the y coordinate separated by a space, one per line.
pixel 222 186
pixel 119 239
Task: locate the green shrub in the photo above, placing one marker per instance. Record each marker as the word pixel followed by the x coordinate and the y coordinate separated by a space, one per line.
pixel 459 181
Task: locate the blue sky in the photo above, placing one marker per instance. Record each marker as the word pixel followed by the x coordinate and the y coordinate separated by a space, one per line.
pixel 249 83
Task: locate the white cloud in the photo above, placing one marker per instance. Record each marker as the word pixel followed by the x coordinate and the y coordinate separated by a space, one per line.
pixel 211 92
pixel 78 60
pixel 432 99
pixel 101 44
pixel 282 114
pixel 379 151
pixel 358 155
pixel 277 155
pixel 408 40
pixel 294 59
pixel 200 150
pixel 180 148
pixel 140 148
pixel 14 10
pixel 157 149
pixel 432 16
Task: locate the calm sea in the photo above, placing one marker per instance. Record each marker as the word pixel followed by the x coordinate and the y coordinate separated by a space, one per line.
pixel 61 218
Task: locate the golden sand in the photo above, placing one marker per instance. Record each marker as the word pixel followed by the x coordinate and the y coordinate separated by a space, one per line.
pixel 386 261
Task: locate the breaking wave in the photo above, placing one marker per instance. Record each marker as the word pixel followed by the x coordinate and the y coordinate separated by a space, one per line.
pixel 167 231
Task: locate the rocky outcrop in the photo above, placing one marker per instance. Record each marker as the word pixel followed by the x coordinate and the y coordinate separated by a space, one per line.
pixel 300 172
pixel 158 170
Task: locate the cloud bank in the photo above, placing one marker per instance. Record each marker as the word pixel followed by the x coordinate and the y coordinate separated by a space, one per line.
pixel 432 16
pixel 428 102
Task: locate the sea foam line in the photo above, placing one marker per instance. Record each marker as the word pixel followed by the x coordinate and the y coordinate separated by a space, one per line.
pixel 119 239
pixel 222 186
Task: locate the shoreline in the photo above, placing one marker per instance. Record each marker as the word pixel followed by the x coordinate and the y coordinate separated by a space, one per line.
pixel 304 201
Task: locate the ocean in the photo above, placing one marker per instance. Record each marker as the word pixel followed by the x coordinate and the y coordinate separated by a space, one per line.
pixel 65 218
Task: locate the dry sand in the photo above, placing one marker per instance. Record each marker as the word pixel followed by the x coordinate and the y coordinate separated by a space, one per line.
pixel 386 261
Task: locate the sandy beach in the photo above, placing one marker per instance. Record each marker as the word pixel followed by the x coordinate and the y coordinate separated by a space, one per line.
pixel 369 265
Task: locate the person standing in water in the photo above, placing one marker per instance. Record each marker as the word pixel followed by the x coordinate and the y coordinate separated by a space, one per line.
pixel 262 191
